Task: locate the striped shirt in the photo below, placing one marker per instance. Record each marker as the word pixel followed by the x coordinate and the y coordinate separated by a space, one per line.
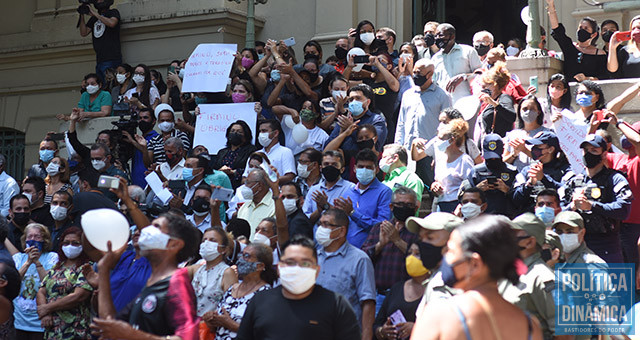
pixel 156 145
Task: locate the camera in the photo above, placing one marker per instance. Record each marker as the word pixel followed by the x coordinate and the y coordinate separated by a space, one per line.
pixel 84 6
pixel 125 149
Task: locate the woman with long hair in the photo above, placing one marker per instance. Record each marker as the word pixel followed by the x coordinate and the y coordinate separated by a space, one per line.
pixel 144 95
pixel 625 62
pixel 57 179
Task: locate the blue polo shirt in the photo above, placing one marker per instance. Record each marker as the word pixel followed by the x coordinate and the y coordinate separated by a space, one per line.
pixel 370 207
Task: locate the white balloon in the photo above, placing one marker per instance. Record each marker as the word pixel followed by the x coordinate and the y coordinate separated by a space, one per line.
pixel 300 133
pixel 288 121
pixel 468 106
pixel 102 225
pixel 524 15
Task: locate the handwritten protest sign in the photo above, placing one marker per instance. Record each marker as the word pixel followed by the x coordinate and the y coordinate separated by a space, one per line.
pixel 214 119
pixel 571 131
pixel 208 68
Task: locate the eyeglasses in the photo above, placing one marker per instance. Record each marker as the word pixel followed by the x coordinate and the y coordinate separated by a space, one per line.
pixel 246 256
pixel 293 263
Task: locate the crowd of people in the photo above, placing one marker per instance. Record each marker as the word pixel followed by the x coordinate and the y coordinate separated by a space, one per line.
pixel 272 238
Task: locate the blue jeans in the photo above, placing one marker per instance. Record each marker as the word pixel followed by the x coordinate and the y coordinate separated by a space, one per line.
pixel 104 65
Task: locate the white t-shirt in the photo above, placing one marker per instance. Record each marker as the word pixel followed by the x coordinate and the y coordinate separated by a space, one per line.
pixel 153 94
pixel 451 175
pixel 470 148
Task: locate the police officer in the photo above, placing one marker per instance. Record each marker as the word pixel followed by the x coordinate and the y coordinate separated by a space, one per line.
pixel 434 229
pixel 569 225
pixel 495 177
pixel 602 197
pixel 549 170
pixel 534 292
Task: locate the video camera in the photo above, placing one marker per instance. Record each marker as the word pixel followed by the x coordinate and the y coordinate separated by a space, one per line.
pixel 84 5
pixel 124 148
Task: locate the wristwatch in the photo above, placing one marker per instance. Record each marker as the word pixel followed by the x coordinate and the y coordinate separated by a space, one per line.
pixel 325 206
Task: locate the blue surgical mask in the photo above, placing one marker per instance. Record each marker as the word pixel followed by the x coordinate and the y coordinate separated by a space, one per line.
pixel 365 176
pixel 187 174
pixel 584 100
pixel 355 107
pixel 546 214
pixel 275 75
pixel 46 155
pixel 448 275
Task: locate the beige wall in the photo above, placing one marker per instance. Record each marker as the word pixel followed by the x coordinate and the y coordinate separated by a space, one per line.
pixel 43 57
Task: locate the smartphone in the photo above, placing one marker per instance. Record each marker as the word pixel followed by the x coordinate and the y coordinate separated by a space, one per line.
pixel 623 36
pixel 171 69
pixel 599 114
pixel 33 243
pixel 177 187
pixel 533 81
pixel 57 136
pixel 108 182
pixel 492 180
pixel 361 59
pixel 290 42
pixel 135 95
pixel 222 194
pixel 487 91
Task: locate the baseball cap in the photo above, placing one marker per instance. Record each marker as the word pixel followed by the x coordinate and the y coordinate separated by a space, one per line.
pixel 434 221
pixel 594 140
pixel 532 225
pixel 162 107
pixel 544 137
pixel 570 218
pixel 492 146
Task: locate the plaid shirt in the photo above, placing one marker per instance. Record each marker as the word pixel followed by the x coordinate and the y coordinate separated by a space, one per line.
pixel 389 264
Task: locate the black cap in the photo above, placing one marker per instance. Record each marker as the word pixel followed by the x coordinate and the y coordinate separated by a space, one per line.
pixel 594 140
pixel 544 137
pixel 492 146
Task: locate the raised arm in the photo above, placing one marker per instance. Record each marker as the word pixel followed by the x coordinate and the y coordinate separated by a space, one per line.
pixel 553 16
pixel 616 104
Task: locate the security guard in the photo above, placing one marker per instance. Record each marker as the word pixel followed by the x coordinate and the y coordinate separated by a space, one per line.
pixel 602 197
pixel 494 176
pixel 569 225
pixel 534 292
pixel 435 230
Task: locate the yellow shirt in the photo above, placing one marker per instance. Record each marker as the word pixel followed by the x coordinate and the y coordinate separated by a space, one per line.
pixel 254 213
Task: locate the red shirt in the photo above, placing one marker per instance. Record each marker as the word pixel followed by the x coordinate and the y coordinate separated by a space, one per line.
pixel 630 167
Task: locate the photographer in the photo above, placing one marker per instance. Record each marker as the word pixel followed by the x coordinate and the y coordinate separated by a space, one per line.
pixel 105 26
pixel 602 197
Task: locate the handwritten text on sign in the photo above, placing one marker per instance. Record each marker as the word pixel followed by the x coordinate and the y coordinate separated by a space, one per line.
pixel 208 68
pixel 571 131
pixel 214 119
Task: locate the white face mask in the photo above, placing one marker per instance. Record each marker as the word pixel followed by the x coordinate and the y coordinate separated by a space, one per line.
pixel 290 205
pixel 91 89
pixel 166 126
pixel 367 38
pixel 470 210
pixel 303 170
pixel 121 78
pixel 512 51
pixel 442 146
pixel 337 94
pixel 246 193
pixel 153 238
pixel 261 239
pixel 323 236
pixel 569 242
pixel 71 251
pixel 138 79
pixel 209 250
pixel 29 196
pixel 58 212
pixel 98 164
pixel 297 280
pixel 263 139
pixel 181 73
pixel 385 167
pixel 53 169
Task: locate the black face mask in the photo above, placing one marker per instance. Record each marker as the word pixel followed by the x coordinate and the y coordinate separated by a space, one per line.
pixel 429 39
pixel 200 204
pixel 419 79
pixel 591 160
pixel 21 218
pixel 494 164
pixel 235 139
pixel 310 56
pixel 546 254
pixel 536 153
pixel 430 255
pixel 442 43
pixel 365 144
pixel 330 173
pixel 341 53
pixel 402 213
pixel 606 36
pixel 145 126
pixel 313 77
pixel 583 35
pixel 482 49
